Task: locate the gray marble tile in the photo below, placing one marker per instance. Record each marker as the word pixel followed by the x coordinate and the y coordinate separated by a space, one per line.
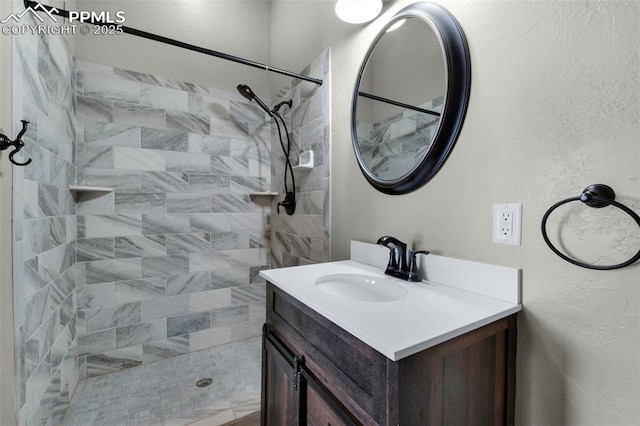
pixel 137 334
pixel 188 243
pixel 47 200
pixel 230 203
pixel 165 307
pixel 95 296
pixel 140 203
pixel 90 67
pixel 113 361
pixel 208 144
pixel 245 185
pixel 101 271
pixel 89 203
pixel 207 261
pixel 138 115
pixel 247 294
pixel 168 140
pixel 162 97
pixel 189 163
pixel 111 134
pixel 140 246
pixel 226 165
pixel 185 324
pixel 94 156
pixel 95 109
pixel 188 283
pixel 113 316
pixel 229 316
pixel 206 301
pixel 165 224
pixel 187 122
pixel 248 257
pixel 99 86
pixel 96 342
pixel 232 240
pixel 209 222
pixel 163 349
pixel 97 226
pixel 230 277
pixel 209 183
pixel 138 159
pixel 164 266
pixel 62 286
pixel 54 262
pixel 247 221
pixel 155 181
pixel 188 203
pixel 208 105
pixel 119 180
pixel 136 290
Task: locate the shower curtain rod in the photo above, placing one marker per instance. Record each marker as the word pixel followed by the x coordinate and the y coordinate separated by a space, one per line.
pixel 128 30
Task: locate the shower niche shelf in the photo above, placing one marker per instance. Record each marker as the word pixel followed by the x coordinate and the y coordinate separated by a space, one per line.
pixel 80 189
pixel 263 194
pixel 305 162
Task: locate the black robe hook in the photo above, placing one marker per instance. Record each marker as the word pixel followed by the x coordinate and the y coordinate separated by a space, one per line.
pixel 5 143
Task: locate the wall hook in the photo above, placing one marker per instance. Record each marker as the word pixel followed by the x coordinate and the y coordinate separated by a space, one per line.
pixel 5 143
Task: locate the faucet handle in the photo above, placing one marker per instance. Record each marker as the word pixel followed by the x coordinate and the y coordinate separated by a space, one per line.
pixel 414 272
pixel 393 263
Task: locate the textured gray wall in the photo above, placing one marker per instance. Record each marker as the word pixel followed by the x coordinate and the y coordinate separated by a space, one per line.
pixel 554 107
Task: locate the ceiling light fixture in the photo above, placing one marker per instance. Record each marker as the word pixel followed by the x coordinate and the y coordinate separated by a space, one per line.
pixel 358 11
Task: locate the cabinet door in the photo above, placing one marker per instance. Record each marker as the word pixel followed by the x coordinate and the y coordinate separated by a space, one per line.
pixel 321 407
pixel 280 385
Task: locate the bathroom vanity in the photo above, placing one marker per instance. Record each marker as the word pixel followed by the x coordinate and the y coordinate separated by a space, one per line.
pixel 438 354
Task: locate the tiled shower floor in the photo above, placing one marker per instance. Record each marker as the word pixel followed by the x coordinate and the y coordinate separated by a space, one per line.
pixel 164 393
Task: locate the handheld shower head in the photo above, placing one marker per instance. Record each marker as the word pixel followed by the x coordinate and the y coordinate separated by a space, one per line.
pixel 248 93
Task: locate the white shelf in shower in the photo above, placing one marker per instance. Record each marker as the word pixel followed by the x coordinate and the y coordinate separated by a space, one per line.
pixel 80 188
pixel 263 194
pixel 305 162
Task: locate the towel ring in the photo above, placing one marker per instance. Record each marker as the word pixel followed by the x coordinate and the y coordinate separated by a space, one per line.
pixel 597 196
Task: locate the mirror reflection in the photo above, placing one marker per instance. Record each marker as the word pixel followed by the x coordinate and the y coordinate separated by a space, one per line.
pixel 400 99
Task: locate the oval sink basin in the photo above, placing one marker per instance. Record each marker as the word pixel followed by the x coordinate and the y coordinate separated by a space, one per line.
pixel 363 288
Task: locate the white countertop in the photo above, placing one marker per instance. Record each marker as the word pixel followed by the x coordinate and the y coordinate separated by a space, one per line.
pixel 431 313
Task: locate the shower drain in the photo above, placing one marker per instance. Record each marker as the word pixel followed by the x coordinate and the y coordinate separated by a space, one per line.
pixel 203 383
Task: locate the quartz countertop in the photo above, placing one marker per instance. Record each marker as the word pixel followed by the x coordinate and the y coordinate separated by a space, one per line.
pixel 431 313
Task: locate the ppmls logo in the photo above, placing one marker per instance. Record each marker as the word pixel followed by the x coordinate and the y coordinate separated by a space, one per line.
pixel 17 17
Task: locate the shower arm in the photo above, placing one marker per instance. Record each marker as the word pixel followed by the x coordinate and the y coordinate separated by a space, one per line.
pixel 34 5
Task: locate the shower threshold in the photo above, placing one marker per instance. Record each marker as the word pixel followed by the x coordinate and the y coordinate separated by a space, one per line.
pixel 165 392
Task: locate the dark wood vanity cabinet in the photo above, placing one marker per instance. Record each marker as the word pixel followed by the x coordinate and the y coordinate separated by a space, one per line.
pixel 315 373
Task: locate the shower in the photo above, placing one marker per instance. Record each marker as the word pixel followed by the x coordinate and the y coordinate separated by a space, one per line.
pixel 289 202
pixel 147 218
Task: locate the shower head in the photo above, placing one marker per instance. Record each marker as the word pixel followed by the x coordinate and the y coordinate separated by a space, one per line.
pixel 248 93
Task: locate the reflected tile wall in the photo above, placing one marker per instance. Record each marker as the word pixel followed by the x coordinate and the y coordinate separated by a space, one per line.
pixel 304 237
pixel 43 81
pixel 168 263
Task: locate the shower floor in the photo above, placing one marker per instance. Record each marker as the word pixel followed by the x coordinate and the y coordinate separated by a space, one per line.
pixel 164 393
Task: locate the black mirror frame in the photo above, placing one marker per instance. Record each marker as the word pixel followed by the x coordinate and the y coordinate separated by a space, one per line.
pixel 458 68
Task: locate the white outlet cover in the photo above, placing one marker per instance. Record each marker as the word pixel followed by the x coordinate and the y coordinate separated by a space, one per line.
pixel 516 234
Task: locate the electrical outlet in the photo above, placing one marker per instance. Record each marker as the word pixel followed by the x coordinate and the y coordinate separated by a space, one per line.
pixel 507 223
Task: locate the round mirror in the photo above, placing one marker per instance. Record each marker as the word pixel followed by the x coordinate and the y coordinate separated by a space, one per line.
pixel 410 98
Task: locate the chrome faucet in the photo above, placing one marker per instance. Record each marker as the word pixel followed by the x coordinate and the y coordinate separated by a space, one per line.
pixel 398 266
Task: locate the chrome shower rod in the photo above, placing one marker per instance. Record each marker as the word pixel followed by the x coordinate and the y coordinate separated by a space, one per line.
pixel 177 43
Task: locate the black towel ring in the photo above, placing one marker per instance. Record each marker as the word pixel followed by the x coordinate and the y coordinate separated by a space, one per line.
pixel 597 196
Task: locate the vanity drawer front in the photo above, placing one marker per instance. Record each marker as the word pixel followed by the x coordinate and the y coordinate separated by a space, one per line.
pixel 352 370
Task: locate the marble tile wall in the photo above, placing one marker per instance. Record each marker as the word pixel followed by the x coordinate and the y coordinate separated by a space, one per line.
pixel 168 262
pixel 391 147
pixel 44 227
pixel 304 237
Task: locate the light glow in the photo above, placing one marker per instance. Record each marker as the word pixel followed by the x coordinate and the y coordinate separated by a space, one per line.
pixel 358 11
